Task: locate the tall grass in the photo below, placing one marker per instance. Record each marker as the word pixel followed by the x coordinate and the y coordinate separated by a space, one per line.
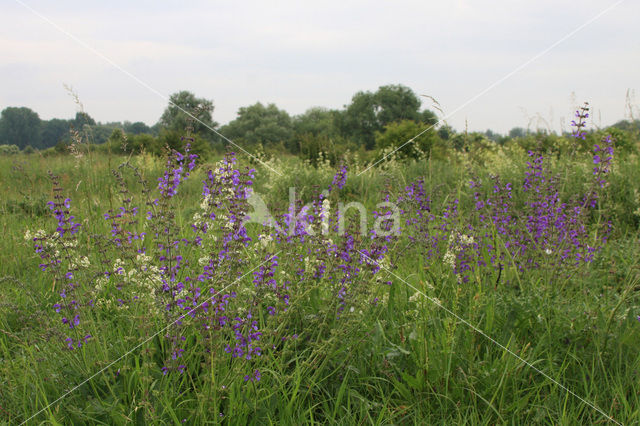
pixel 403 359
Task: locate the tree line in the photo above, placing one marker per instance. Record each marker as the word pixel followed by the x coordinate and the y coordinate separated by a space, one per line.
pixel 379 120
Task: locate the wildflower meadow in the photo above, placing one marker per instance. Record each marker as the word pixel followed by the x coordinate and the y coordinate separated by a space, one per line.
pixel 494 284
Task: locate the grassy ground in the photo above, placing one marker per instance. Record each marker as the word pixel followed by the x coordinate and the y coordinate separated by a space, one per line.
pixel 534 347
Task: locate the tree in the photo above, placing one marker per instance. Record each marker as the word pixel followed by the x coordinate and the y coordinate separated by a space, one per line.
pixel 429 117
pixel 446 132
pixel 359 121
pixel 136 128
pixel 496 137
pixel 399 133
pixel 175 116
pixel 53 131
pixel 124 144
pixel 517 132
pixel 174 139
pixel 316 121
pixel 20 126
pixel 313 130
pixel 257 124
pixel 82 119
pixel 396 103
pixel 369 113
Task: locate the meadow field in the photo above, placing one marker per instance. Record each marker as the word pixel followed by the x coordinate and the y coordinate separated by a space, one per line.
pixel 492 285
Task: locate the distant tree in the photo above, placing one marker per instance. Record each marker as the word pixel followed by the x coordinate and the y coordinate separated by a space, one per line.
pixel 625 140
pixel 117 141
pixel 359 121
pixel 369 113
pixel 175 117
pixel 446 132
pixel 399 133
pixel 628 125
pixel 100 133
pixel 173 139
pixel 82 119
pixel 496 137
pixel 429 117
pixel 396 103
pixel 20 127
pixel 122 143
pixel 53 131
pixel 155 129
pixel 258 123
pixel 315 121
pixel 136 128
pixel 517 132
pixel 312 129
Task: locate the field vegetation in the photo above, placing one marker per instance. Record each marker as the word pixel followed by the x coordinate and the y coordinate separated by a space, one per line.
pixel 458 280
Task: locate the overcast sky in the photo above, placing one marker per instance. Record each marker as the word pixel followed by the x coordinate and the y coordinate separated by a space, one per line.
pixel 301 54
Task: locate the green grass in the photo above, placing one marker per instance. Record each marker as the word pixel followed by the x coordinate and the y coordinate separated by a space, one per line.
pixel 404 361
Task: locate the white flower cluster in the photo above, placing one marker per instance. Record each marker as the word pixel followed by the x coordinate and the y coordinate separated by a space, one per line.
pixel 143 279
pixel 204 205
pixel 80 262
pixel 39 234
pixel 456 242
pixel 325 211
pixel 265 240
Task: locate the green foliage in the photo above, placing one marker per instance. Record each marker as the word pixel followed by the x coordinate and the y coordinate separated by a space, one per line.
pixel 20 126
pixel 316 121
pixel 399 133
pixel 82 119
pixel 358 121
pixel 626 141
pixel 54 131
pixel 406 360
pixel 260 124
pixel 428 117
pixel 549 143
pixel 317 149
pixel 136 128
pixel 396 103
pixel 121 143
pixel 446 132
pixel 175 118
pixel 369 113
pixel 632 126
pixel 175 140
pixel 517 132
pixel 9 149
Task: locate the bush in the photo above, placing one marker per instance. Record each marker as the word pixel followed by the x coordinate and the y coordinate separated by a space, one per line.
pixel 9 149
pixel 397 134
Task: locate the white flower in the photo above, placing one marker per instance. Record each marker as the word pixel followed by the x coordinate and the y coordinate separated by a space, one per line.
pixel 205 202
pixel 265 239
pixel 450 258
pixel 84 262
